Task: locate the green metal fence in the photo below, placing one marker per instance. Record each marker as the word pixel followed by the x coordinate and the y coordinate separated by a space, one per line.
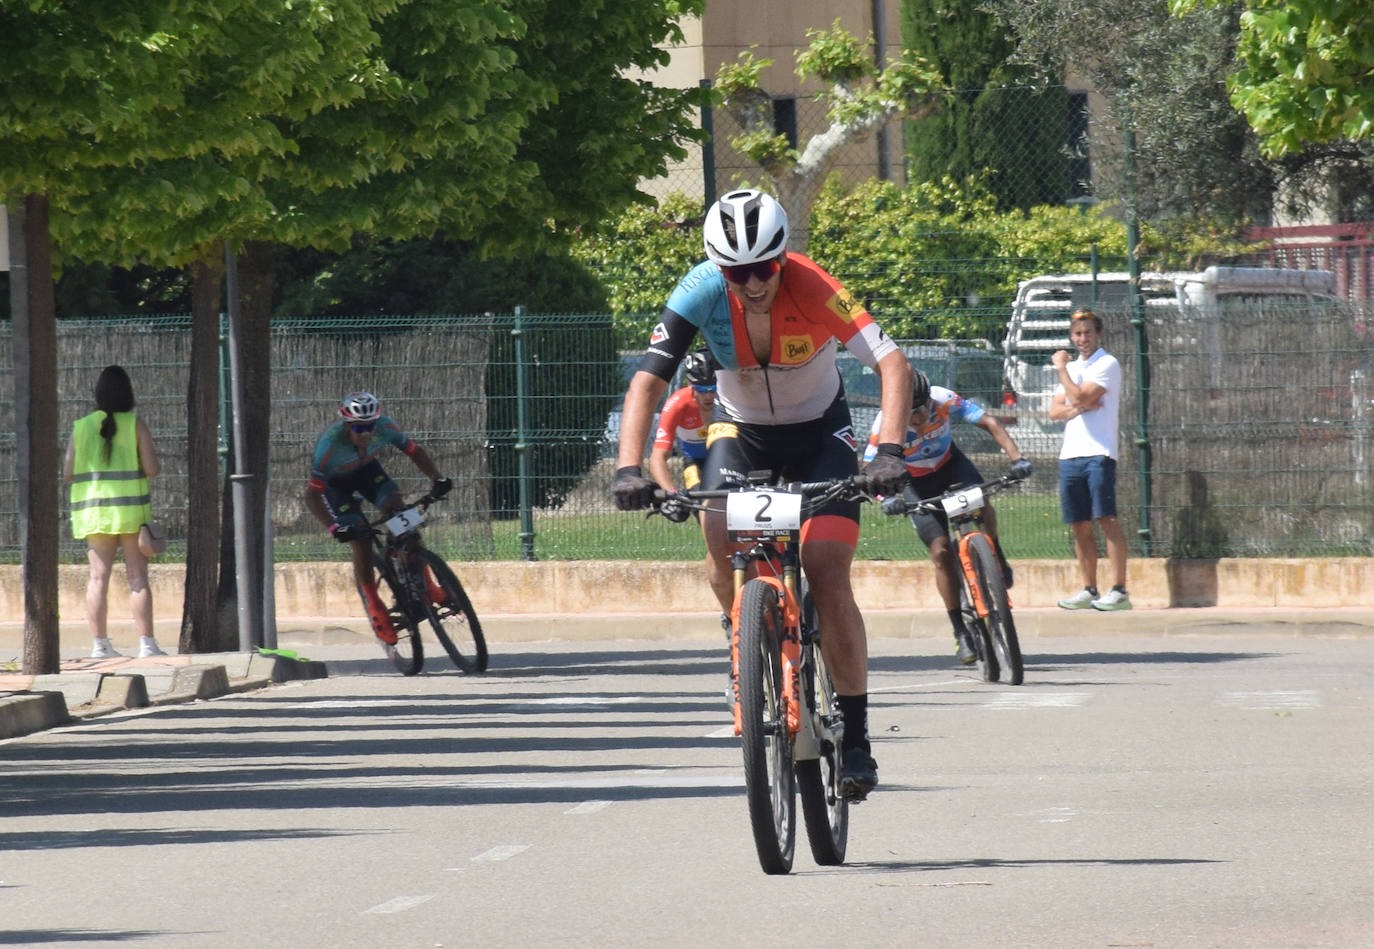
pixel 1259 428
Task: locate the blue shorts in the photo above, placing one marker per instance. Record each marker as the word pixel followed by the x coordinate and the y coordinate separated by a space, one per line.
pixel 1087 488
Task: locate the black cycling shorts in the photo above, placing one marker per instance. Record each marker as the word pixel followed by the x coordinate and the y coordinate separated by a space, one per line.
pixel 804 451
pixel 957 469
pixel 369 482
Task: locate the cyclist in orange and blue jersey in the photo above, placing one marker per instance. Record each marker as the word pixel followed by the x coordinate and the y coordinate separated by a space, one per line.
pixel 683 420
pixel 345 471
pixel 936 464
pixel 774 321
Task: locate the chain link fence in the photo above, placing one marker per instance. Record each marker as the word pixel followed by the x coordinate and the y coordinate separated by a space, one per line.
pixel 1251 433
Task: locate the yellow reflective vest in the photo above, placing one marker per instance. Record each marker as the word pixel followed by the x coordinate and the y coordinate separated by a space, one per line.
pixel 108 497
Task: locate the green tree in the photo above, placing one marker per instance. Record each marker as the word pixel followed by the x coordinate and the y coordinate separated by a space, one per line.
pixel 993 120
pixel 266 122
pixel 861 100
pixel 1163 78
pixel 1305 75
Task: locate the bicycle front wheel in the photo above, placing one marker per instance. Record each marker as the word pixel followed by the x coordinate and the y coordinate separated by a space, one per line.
pixel 769 783
pixel 453 619
pixel 407 654
pixel 982 639
pixel 1001 628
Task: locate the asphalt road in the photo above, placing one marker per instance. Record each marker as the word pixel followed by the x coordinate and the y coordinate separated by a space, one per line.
pixel 1134 792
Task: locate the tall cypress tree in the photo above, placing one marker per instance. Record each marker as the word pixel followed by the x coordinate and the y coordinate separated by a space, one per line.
pixel 994 122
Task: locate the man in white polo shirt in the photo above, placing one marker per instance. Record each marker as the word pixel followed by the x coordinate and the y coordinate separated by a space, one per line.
pixel 1088 399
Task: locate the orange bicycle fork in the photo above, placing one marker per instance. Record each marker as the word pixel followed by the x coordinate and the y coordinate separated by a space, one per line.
pixel 786 585
pixel 975 589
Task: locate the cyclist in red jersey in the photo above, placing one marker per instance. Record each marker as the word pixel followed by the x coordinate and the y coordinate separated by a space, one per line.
pixel 683 420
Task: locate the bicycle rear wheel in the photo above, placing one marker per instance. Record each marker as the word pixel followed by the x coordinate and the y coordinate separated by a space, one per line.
pixel 407 655
pixel 1001 629
pixel 453 620
pixel 769 783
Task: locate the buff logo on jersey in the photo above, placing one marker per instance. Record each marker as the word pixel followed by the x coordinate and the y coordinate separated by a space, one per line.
pixel 795 349
pixel 659 334
pixel 846 435
pixel 721 430
pixel 844 305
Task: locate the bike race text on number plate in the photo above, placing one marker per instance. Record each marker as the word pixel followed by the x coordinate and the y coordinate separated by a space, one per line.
pixel 763 514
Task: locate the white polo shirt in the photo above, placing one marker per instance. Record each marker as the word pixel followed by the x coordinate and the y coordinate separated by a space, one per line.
pixel 1095 431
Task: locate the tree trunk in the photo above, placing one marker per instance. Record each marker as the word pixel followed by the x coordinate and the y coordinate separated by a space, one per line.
pixel 200 627
pixel 33 311
pixel 256 284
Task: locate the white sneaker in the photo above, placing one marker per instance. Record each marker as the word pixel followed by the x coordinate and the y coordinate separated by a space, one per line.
pixel 1113 599
pixel 148 647
pixel 104 649
pixel 1081 600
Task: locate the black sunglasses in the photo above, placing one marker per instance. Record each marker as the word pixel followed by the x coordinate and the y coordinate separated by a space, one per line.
pixel 763 269
pixel 361 427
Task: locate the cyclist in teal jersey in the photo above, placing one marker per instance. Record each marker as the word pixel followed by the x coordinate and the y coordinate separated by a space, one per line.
pixel 345 471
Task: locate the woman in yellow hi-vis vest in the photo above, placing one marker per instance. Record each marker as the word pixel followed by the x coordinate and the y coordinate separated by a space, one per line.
pixel 109 460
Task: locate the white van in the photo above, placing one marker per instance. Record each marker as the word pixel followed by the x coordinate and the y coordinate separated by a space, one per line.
pixel 1181 301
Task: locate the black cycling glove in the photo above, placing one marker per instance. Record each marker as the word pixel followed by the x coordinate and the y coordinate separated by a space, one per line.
pixel 631 490
pixel 1021 469
pixel 346 533
pixel 440 487
pixel 887 471
pixel 674 510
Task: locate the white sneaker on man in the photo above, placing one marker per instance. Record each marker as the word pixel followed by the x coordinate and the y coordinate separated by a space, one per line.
pixel 1081 600
pixel 104 649
pixel 148 647
pixel 1113 599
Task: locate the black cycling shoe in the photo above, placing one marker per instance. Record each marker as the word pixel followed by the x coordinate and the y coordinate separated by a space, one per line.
pixel 964 650
pixel 858 774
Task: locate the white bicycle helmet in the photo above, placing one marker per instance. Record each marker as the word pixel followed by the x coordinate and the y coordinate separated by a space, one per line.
pixel 360 407
pixel 744 227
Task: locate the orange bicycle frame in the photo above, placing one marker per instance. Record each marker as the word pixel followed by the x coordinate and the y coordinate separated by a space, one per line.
pixel 786 585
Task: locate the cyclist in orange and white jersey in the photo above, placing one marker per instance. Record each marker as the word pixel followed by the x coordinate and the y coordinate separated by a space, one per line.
pixel 774 321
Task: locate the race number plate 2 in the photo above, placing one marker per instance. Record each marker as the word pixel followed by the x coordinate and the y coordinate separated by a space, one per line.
pixel 401 524
pixel 752 514
pixel 962 502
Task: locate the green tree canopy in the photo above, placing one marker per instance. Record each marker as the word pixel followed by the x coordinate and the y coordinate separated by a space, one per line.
pixel 1308 70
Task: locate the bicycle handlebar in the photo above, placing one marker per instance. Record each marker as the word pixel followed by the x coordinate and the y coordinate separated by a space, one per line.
pixel 898 505
pixel 852 488
pixel 422 503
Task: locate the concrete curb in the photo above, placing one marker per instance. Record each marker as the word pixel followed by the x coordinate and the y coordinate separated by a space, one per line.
pixel 37 703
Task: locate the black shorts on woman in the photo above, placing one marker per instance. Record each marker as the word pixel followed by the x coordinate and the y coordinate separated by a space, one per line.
pixel 817 450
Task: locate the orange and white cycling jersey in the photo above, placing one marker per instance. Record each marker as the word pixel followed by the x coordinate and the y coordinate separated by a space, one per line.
pixel 811 315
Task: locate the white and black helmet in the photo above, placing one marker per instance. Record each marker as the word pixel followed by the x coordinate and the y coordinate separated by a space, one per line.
pixel 360 407
pixel 744 227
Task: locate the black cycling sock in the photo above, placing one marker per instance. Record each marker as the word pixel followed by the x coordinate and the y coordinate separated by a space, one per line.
pixel 956 619
pixel 854 708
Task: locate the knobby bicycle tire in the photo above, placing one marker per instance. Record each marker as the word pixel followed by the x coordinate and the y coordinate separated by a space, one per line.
pixel 978 632
pixel 407 655
pixel 769 782
pixel 1001 628
pixel 824 810
pixel 454 621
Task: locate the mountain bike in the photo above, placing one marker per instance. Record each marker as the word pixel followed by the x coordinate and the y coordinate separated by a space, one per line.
pixel 982 590
pixel 417 588
pixel 785 709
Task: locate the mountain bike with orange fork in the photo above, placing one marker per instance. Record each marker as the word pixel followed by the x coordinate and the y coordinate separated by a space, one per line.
pixel 982 590
pixel 785 708
pixel 417 588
